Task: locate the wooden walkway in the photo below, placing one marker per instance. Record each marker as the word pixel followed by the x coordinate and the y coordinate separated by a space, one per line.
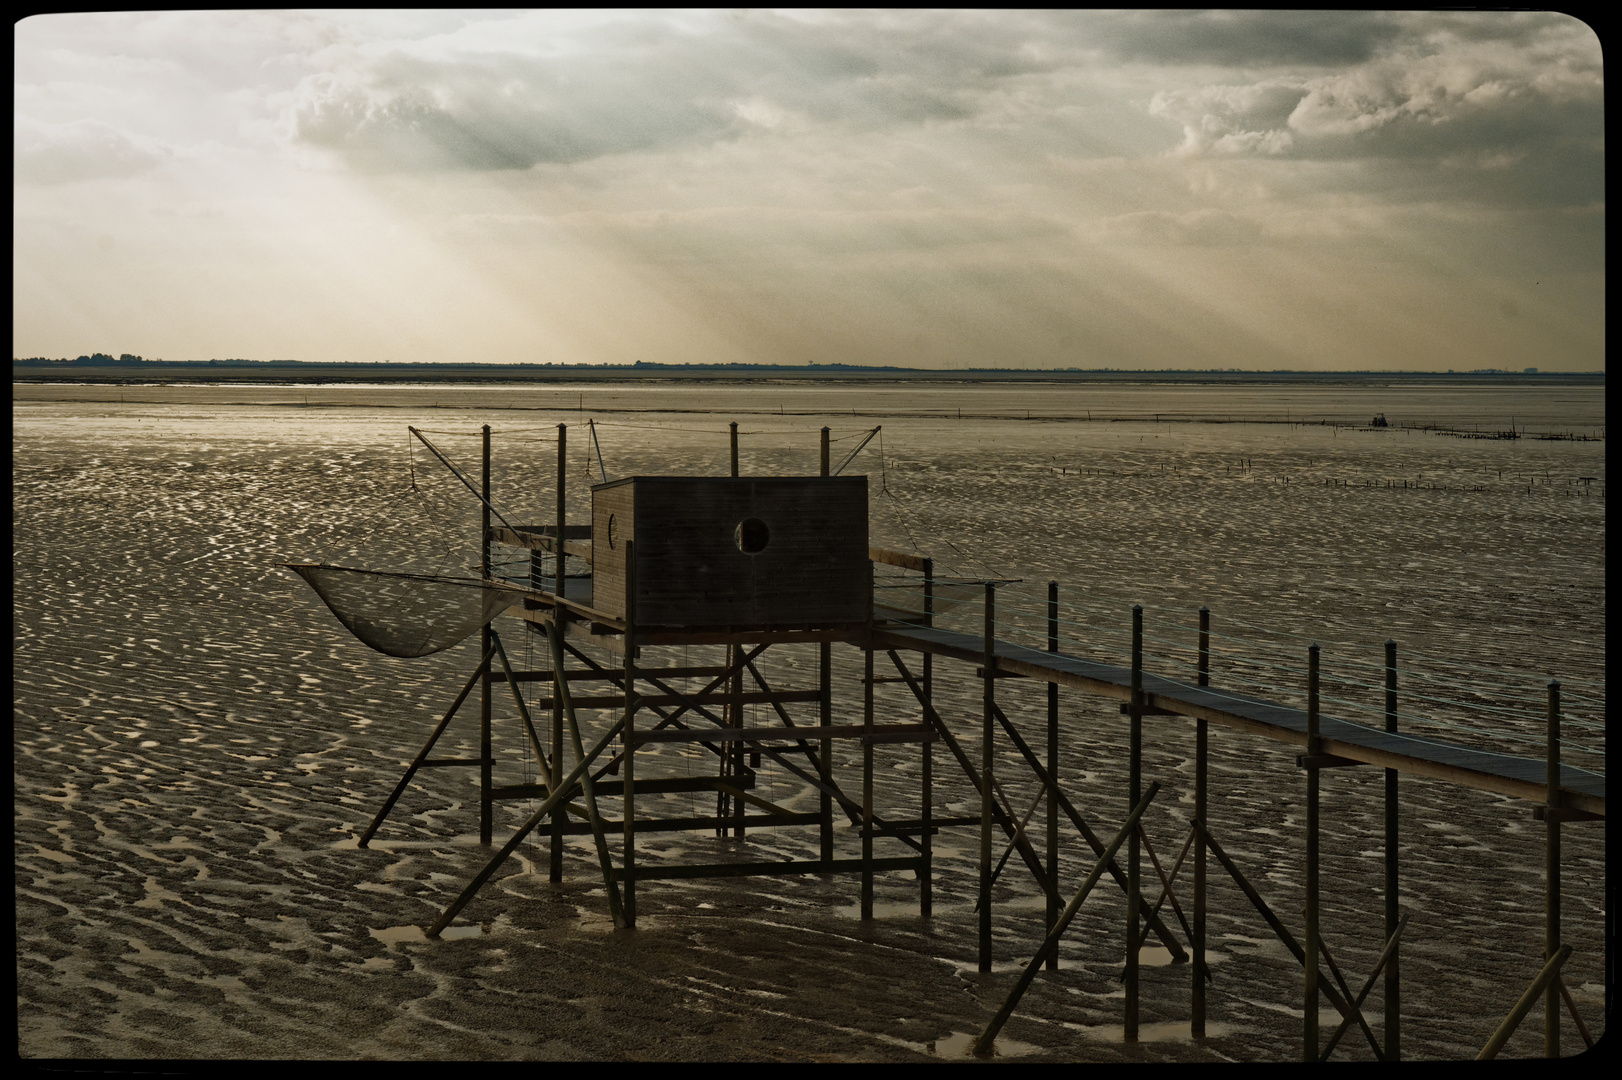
pixel 1505 774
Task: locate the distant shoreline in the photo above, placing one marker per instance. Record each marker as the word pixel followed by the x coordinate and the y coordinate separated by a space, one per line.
pixel 274 374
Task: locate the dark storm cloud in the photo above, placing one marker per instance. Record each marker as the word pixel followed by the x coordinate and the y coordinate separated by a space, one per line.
pixel 640 87
pixel 1244 38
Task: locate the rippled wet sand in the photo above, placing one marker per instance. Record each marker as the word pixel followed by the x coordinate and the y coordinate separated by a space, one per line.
pixel 198 743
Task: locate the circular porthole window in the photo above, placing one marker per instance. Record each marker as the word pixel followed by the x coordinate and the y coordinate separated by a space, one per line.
pixel 612 531
pixel 752 536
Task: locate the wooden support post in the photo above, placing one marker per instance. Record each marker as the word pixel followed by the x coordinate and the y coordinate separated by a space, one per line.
pixel 867 781
pixel 733 758
pixel 518 700
pixel 1106 857
pixel 1393 984
pixel 825 754
pixel 1134 785
pixel 1053 776
pixel 1201 808
pixel 486 803
pixel 1544 980
pixel 1551 876
pixel 1355 1013
pixel 988 698
pixel 628 730
pixel 557 539
pixel 524 830
pixel 926 885
pixel 555 853
pixel 1309 1020
pixel 616 910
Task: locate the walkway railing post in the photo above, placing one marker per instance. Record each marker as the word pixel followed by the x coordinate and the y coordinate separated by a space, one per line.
pixel 1134 792
pixel 1309 1022
pixel 989 700
pixel 1551 902
pixel 1197 1004
pixel 1393 985
pixel 1053 776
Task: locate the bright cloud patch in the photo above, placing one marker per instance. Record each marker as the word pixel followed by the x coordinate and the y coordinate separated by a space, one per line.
pixel 82 150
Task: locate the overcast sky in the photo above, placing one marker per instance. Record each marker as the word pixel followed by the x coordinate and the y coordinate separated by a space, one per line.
pixel 1137 190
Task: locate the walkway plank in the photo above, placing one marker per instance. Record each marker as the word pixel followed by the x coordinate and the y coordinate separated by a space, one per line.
pixel 1504 774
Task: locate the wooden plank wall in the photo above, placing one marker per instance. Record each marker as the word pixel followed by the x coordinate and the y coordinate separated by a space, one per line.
pixel 813 571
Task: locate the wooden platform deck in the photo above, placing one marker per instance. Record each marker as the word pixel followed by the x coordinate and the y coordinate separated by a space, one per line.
pixel 1505 774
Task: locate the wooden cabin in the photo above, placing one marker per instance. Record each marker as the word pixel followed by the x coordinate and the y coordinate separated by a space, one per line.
pixel 779 552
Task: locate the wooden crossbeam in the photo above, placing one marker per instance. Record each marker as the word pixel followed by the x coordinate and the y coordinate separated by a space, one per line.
pixel 880 733
pixel 762 869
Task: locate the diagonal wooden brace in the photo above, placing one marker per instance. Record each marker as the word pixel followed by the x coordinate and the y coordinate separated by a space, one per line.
pixel 1357 1002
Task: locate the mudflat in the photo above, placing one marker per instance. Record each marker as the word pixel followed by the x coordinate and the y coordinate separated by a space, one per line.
pixel 198 743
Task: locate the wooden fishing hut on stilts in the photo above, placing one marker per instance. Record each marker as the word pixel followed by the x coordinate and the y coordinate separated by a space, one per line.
pixel 743 565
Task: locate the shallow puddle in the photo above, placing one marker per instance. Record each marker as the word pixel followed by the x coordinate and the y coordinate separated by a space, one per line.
pixel 959 1045
pixel 391 935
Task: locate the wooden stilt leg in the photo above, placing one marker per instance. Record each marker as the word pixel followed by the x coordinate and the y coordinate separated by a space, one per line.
pixel 1134 784
pixel 989 669
pixel 1393 984
pixel 1309 1020
pixel 422 755
pixel 1052 784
